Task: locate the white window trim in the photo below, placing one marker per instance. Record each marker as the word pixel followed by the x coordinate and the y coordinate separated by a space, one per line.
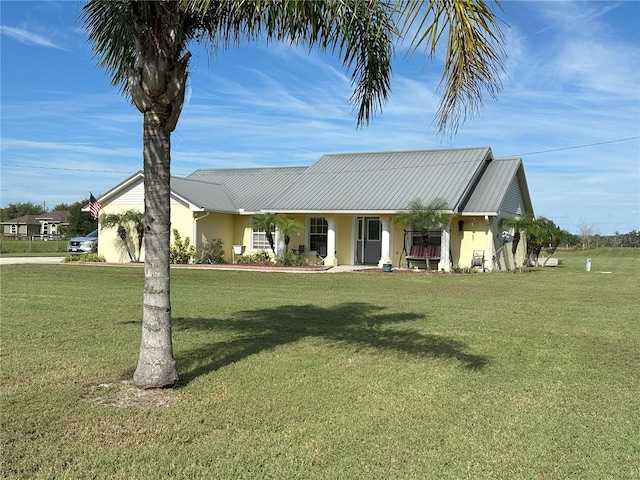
pixel 267 247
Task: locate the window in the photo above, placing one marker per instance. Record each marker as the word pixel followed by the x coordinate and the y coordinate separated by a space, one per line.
pixel 259 240
pixel 14 229
pixel 318 229
pixel 435 235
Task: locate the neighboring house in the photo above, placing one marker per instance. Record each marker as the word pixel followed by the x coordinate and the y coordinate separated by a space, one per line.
pixel 347 203
pixel 42 225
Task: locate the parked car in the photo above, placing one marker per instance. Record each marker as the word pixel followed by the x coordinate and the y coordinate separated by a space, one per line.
pixel 86 244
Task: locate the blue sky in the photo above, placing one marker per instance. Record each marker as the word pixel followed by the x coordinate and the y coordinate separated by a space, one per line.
pixel 570 107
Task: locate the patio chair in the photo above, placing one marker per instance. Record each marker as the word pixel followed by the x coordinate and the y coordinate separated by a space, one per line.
pixel 321 254
pixel 298 251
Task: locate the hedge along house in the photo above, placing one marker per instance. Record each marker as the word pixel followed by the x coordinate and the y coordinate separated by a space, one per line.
pixel 347 203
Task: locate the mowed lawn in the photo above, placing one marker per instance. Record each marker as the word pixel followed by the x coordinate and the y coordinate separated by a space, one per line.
pixel 327 376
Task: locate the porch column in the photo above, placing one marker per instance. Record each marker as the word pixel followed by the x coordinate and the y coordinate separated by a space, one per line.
pixel 385 246
pixel 331 243
pixel 445 247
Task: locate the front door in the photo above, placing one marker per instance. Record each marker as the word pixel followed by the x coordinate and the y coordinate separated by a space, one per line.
pixel 369 246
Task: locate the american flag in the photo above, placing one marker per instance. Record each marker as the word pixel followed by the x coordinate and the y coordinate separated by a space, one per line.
pixel 94 206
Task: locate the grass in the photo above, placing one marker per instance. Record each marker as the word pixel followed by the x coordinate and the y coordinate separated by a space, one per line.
pixel 327 376
pixel 10 247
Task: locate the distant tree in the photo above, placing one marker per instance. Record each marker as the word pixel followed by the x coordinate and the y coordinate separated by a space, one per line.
pixel 586 233
pixel 288 227
pixel 423 217
pixel 15 210
pixel 631 239
pixel 80 223
pixel 61 206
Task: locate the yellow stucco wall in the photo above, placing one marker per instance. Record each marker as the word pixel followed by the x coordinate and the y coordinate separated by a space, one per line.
pixel 235 230
pixel 109 243
pixel 473 236
pixel 113 248
pixel 216 226
pixel 300 239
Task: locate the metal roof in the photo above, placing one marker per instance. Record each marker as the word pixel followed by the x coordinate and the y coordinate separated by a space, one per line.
pixel 491 190
pixel 251 188
pixel 469 180
pixel 202 195
pixel 383 181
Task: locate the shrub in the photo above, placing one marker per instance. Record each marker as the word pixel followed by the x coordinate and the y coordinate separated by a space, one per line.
pixel 181 251
pixel 258 258
pixel 211 252
pixel 459 269
pixel 85 257
pixel 289 259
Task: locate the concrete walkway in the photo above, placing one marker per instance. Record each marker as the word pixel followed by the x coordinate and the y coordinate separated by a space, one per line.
pixel 16 260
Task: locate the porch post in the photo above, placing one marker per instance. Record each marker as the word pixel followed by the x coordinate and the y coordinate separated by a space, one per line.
pixel 445 247
pixel 331 243
pixel 385 247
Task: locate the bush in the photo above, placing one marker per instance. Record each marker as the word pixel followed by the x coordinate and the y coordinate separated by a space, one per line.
pixel 181 251
pixel 258 258
pixel 459 269
pixel 85 257
pixel 289 259
pixel 211 252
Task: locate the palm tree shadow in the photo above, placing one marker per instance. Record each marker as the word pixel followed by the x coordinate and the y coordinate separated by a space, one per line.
pixel 361 325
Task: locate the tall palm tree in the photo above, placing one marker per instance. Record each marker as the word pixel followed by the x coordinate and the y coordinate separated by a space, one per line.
pixel 144 47
pixel 423 217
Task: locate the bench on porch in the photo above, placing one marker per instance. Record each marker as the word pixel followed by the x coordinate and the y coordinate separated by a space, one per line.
pixel 416 254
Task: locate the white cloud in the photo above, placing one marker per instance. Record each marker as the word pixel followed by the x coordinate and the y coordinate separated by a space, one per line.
pixel 27 37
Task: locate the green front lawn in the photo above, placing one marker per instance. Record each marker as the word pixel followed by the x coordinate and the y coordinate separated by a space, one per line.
pixel 327 376
pixel 10 247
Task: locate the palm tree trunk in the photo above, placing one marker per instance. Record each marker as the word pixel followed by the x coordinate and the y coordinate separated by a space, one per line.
pixel 425 241
pixel 514 249
pixel 156 366
pixel 122 233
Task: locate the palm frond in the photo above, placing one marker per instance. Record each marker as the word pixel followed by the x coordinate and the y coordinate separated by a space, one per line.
pixel 474 56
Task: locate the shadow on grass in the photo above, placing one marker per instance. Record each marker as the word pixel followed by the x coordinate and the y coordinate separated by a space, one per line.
pixel 361 325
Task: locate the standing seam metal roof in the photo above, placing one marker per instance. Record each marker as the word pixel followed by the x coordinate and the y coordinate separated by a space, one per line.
pixel 251 188
pixel 466 178
pixel 385 181
pixel 210 196
pixel 490 192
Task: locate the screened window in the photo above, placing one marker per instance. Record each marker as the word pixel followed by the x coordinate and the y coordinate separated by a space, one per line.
pixel 318 229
